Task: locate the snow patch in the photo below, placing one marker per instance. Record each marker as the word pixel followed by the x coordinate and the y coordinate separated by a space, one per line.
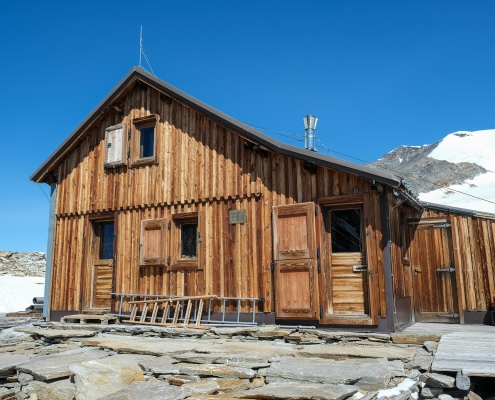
pixel 18 292
pixel 482 186
pixel 463 146
pixel 401 387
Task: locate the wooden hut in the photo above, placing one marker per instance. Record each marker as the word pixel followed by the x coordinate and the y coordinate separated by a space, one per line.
pixel 157 193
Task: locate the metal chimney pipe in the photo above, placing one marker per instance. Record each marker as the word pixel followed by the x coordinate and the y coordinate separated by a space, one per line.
pixel 309 132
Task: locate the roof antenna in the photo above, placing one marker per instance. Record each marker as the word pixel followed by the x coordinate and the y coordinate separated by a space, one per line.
pixel 142 52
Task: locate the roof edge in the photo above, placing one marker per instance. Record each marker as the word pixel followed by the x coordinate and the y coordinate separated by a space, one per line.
pixel 458 210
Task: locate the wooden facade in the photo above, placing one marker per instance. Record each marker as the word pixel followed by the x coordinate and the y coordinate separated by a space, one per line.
pixel 201 169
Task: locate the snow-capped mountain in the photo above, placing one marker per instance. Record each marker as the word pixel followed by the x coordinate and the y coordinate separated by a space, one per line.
pixel 461 162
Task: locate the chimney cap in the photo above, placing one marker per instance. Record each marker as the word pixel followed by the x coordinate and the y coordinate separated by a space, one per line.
pixel 310 122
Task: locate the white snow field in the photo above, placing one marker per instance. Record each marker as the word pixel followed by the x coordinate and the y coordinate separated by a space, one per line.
pixel 475 147
pixel 18 292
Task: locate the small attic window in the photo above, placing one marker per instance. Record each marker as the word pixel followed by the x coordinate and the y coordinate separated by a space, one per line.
pixel 143 140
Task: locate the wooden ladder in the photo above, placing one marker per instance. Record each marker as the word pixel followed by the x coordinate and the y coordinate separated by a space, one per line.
pixel 167 304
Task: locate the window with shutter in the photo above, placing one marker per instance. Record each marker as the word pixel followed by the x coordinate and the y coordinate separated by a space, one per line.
pixel 116 145
pixel 153 246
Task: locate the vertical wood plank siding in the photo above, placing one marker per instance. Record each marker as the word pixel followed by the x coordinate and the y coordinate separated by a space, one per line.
pixel 200 166
pixel 473 243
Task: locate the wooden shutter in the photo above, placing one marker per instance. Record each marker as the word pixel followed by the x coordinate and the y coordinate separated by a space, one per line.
pixel 294 253
pixel 153 245
pixel 116 145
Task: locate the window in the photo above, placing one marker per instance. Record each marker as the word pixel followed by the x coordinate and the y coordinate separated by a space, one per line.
pixel 143 140
pixel 116 145
pixel 104 234
pixel 186 240
pixel 346 231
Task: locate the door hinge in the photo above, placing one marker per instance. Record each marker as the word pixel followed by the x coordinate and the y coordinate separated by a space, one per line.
pixel 80 298
pixel 321 311
pixel 446 270
pixel 128 153
pixel 273 265
pixel 319 266
pixel 168 260
pixel 316 210
pixel 317 252
pixel 169 225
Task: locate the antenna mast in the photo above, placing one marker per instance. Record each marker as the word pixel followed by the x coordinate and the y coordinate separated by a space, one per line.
pixel 142 52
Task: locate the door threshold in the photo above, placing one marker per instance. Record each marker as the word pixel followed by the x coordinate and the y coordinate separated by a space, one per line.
pixel 347 319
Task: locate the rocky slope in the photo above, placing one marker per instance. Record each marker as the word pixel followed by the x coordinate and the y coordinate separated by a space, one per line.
pixel 436 173
pixel 22 264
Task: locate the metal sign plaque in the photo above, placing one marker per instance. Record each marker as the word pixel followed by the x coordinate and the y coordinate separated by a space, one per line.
pixel 237 217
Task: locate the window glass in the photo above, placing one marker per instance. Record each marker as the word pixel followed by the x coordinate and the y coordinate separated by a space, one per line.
pixel 106 240
pixel 188 233
pixel 346 231
pixel 147 141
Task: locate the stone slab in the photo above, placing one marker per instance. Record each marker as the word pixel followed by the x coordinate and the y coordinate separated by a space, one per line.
pixel 319 370
pixel 58 390
pixel 150 390
pixel 58 333
pixel 8 362
pixel 299 391
pixel 217 370
pixel 160 365
pixel 348 351
pixel 224 358
pixel 263 348
pixel 97 379
pixel 45 368
pixel 144 345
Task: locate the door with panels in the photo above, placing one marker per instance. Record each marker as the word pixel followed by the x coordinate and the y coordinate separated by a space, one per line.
pixel 295 261
pixel 102 266
pixel 432 263
pixel 348 276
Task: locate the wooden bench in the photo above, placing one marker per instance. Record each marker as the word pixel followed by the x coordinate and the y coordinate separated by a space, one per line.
pixel 83 318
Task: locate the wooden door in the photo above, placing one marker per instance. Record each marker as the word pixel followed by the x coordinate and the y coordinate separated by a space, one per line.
pixel 348 277
pixel 432 263
pixel 294 254
pixel 102 266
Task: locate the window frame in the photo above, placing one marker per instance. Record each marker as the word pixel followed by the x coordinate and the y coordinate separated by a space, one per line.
pixel 137 124
pixel 178 262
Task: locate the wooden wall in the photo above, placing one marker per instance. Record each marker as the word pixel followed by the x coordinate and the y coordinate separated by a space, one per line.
pixel 473 240
pixel 201 165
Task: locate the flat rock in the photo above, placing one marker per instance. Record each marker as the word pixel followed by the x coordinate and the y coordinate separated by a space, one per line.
pixel 58 390
pixel 58 333
pixel 152 346
pixel 217 370
pixel 330 371
pixel 203 387
pixel 414 338
pixel 299 391
pixel 430 393
pixel 150 390
pixel 422 363
pixel 6 393
pixel 348 351
pixel 232 385
pixel 339 335
pixel 445 397
pixel 45 368
pixel 238 360
pixel 430 346
pixel 8 361
pixel 160 365
pixel 264 348
pixel 271 332
pixel 437 380
pixel 97 379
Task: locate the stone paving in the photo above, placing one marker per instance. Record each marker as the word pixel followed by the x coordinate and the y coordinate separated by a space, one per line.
pixel 64 362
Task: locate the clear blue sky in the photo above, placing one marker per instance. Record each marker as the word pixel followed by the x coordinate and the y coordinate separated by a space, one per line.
pixel 377 74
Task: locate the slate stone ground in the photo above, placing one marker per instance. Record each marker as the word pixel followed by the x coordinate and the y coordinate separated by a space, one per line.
pixel 41 361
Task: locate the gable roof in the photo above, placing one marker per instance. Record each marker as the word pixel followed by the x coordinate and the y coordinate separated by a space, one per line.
pixel 274 145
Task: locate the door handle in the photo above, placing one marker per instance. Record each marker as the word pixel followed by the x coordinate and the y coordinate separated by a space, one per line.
pixel 417 270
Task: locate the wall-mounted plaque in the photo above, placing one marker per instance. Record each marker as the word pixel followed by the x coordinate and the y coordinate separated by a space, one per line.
pixel 237 217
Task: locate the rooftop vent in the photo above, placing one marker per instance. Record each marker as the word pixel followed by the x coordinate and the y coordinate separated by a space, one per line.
pixel 309 132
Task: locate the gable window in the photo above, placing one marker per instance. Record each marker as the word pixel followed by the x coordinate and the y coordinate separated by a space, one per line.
pixel 143 140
